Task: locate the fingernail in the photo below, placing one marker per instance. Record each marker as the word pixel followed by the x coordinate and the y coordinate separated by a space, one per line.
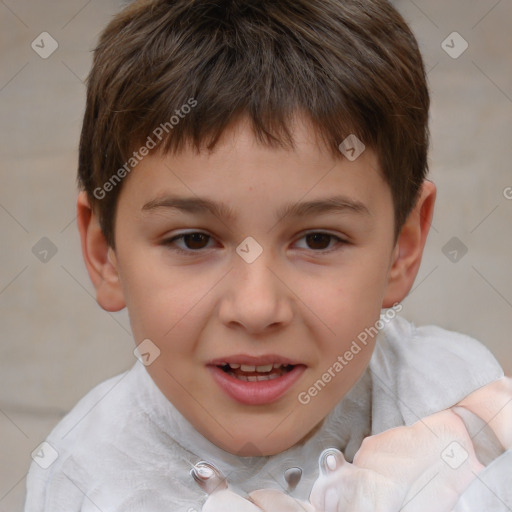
pixel 330 460
pixel 208 477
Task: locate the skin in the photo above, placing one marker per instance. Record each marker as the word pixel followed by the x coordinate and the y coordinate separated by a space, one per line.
pixel 302 298
pixel 401 469
pixel 398 469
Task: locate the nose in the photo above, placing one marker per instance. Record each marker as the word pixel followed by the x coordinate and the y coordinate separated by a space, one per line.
pixel 257 297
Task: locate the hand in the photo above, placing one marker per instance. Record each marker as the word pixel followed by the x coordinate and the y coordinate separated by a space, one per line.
pixel 493 403
pixel 412 469
pixel 223 499
pixel 344 487
pixel 266 500
pixel 270 500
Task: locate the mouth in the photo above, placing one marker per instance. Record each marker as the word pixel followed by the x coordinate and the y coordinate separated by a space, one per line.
pixel 256 373
pixel 256 381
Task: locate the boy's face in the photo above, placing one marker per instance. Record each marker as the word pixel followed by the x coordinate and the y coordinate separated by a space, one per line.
pixel 302 301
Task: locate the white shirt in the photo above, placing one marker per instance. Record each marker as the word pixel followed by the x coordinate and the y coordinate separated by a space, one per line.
pixel 125 448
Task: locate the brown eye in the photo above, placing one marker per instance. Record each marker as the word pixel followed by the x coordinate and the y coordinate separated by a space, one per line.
pixel 321 242
pixel 318 241
pixel 195 240
pixel 188 243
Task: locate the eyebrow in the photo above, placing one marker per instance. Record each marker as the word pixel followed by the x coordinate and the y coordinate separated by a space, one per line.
pixel 198 205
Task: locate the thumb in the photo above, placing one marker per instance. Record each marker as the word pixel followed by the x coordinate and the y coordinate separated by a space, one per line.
pixel 228 501
pixel 272 500
pixel 330 460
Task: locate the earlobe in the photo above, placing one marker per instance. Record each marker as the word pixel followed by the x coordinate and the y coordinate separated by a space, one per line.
pixel 408 252
pixel 99 258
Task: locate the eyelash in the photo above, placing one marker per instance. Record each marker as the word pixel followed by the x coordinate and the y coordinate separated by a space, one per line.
pixel 189 252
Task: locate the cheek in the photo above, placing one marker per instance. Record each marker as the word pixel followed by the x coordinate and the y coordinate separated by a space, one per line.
pixel 348 305
pixel 160 302
pixel 352 298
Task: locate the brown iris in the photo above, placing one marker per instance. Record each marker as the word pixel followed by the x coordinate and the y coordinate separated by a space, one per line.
pixel 318 238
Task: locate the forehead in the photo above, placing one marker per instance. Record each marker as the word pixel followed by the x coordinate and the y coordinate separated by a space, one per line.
pixel 240 172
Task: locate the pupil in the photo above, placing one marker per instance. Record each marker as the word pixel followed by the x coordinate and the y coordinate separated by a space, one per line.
pixel 318 238
pixel 196 238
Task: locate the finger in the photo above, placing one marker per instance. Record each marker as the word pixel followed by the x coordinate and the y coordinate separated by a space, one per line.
pixel 493 403
pixel 330 460
pixel 272 500
pixel 323 496
pixel 227 501
pixel 208 477
pixel 332 500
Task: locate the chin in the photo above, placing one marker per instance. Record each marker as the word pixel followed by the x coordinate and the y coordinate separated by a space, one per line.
pixel 250 449
pixel 251 446
pixel 281 436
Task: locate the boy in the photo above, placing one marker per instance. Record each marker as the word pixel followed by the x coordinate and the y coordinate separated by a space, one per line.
pixel 222 142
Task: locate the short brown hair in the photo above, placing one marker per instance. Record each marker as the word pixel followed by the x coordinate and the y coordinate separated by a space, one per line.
pixel 352 66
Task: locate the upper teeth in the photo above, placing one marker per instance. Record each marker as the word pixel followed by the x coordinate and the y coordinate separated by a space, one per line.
pixel 254 368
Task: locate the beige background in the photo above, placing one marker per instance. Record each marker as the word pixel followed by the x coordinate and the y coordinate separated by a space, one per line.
pixel 56 343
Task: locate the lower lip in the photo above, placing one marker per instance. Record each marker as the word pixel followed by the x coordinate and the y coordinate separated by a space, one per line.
pixel 256 393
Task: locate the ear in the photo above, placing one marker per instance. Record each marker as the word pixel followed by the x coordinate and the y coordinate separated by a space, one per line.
pixel 409 247
pixel 99 258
